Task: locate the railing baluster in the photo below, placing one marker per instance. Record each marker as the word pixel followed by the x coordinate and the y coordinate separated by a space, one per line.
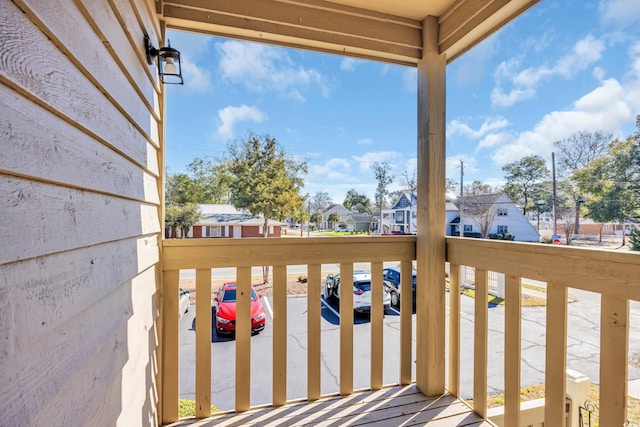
pixel 243 339
pixel 512 350
pixel 170 345
pixel 406 314
pixel 480 343
pixel 377 315
pixel 203 343
pixel 614 351
pixel 279 335
pixel 313 331
pixel 454 329
pixel 556 355
pixel 346 328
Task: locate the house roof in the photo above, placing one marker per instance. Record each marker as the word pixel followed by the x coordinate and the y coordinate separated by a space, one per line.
pixel 359 217
pixel 225 214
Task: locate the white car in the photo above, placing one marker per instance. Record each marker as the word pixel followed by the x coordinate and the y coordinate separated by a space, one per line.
pixel 361 291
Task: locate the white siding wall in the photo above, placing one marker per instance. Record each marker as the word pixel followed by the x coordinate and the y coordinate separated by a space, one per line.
pixel 79 216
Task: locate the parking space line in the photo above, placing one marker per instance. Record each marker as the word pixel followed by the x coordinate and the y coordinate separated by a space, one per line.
pixel 395 311
pixel 326 304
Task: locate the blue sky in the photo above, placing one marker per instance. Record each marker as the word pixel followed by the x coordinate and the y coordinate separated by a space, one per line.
pixel 563 66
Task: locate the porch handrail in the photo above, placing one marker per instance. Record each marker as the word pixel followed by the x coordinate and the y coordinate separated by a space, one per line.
pixel 205 254
pixel 613 275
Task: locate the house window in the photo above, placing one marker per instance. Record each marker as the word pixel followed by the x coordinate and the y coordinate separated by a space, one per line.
pixel 502 229
pixel 214 231
pixel 271 229
pixel 399 217
pixel 502 212
pixel 468 228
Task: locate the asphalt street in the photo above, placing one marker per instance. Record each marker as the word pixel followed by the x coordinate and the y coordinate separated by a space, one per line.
pixel 582 350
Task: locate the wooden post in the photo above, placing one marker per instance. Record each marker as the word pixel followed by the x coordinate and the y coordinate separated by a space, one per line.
pixel 279 335
pixel 346 329
pixel 556 355
pixel 430 243
pixel 512 349
pixel 203 343
pixel 313 332
pixel 171 347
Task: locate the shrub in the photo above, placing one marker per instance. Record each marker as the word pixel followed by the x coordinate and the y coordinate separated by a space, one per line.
pixel 634 239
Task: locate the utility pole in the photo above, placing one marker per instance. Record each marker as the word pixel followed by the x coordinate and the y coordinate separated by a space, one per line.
pixel 553 177
pixel 461 198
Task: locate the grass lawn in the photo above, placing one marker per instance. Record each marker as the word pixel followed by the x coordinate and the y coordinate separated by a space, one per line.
pixel 187 408
pixel 537 392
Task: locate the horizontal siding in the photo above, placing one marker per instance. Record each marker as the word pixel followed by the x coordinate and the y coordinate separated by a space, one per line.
pixel 79 186
pixel 54 82
pixel 58 219
pixel 45 148
pixel 73 279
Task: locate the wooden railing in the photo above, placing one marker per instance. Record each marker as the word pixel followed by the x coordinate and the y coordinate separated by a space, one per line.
pixel 205 254
pixel 613 275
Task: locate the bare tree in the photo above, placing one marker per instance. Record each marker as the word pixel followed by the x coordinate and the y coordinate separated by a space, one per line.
pixel 576 152
pixel 481 210
pixel 484 220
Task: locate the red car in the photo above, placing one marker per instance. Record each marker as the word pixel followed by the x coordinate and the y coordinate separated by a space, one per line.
pixel 226 310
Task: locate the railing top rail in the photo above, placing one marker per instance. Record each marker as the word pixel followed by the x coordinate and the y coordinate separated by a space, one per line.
pixel 248 252
pixel 604 272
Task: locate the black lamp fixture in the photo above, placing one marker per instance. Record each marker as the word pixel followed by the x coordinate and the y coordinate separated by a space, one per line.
pixel 169 63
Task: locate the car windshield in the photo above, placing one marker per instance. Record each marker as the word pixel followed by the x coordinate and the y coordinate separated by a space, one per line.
pixel 230 295
pixel 363 286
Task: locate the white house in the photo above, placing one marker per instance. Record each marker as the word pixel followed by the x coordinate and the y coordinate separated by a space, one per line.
pixel 501 216
pixel 335 207
pixel 495 212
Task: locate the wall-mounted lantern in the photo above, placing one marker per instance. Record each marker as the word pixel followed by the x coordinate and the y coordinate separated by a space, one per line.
pixel 169 63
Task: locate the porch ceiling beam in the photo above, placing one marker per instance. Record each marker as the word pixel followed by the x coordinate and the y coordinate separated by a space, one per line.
pixel 468 22
pixel 308 24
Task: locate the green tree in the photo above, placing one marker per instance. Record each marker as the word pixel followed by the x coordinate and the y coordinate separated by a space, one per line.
pixel 634 239
pixel 523 178
pixel 355 201
pixel 612 183
pixel 179 189
pixel 316 218
pixel 265 181
pixel 382 172
pixel 181 217
pixel 333 218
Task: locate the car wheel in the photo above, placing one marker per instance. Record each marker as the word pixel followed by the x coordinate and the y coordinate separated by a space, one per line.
pixel 395 299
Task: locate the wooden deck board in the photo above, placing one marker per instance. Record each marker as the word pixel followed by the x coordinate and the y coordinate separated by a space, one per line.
pixel 395 406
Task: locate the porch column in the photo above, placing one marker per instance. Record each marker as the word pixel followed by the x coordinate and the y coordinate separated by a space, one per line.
pixel 430 250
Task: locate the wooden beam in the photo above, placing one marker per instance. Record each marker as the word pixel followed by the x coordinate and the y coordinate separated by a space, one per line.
pixel 430 245
pixel 314 356
pixel 480 342
pixel 512 350
pixel 556 355
pixel 322 26
pixel 614 362
pixel 346 329
pixel 467 22
pixel 243 339
pixel 454 329
pixel 280 335
pixel 377 325
pixel 171 347
pixel 203 343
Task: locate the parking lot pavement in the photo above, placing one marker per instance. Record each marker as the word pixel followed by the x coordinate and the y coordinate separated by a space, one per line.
pixel 582 351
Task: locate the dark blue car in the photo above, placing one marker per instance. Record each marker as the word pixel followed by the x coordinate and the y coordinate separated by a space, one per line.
pixel 392 277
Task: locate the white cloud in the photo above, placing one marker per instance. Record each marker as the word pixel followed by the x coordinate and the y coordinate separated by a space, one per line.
pixel 230 115
pixel 410 79
pixel 262 68
pixel 196 79
pixel 365 161
pixel 348 64
pixel 490 124
pixel 364 141
pixel 619 12
pixel 585 53
pixel 608 107
pixel 494 140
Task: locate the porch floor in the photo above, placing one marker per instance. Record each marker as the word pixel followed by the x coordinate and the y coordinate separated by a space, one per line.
pixel 397 406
